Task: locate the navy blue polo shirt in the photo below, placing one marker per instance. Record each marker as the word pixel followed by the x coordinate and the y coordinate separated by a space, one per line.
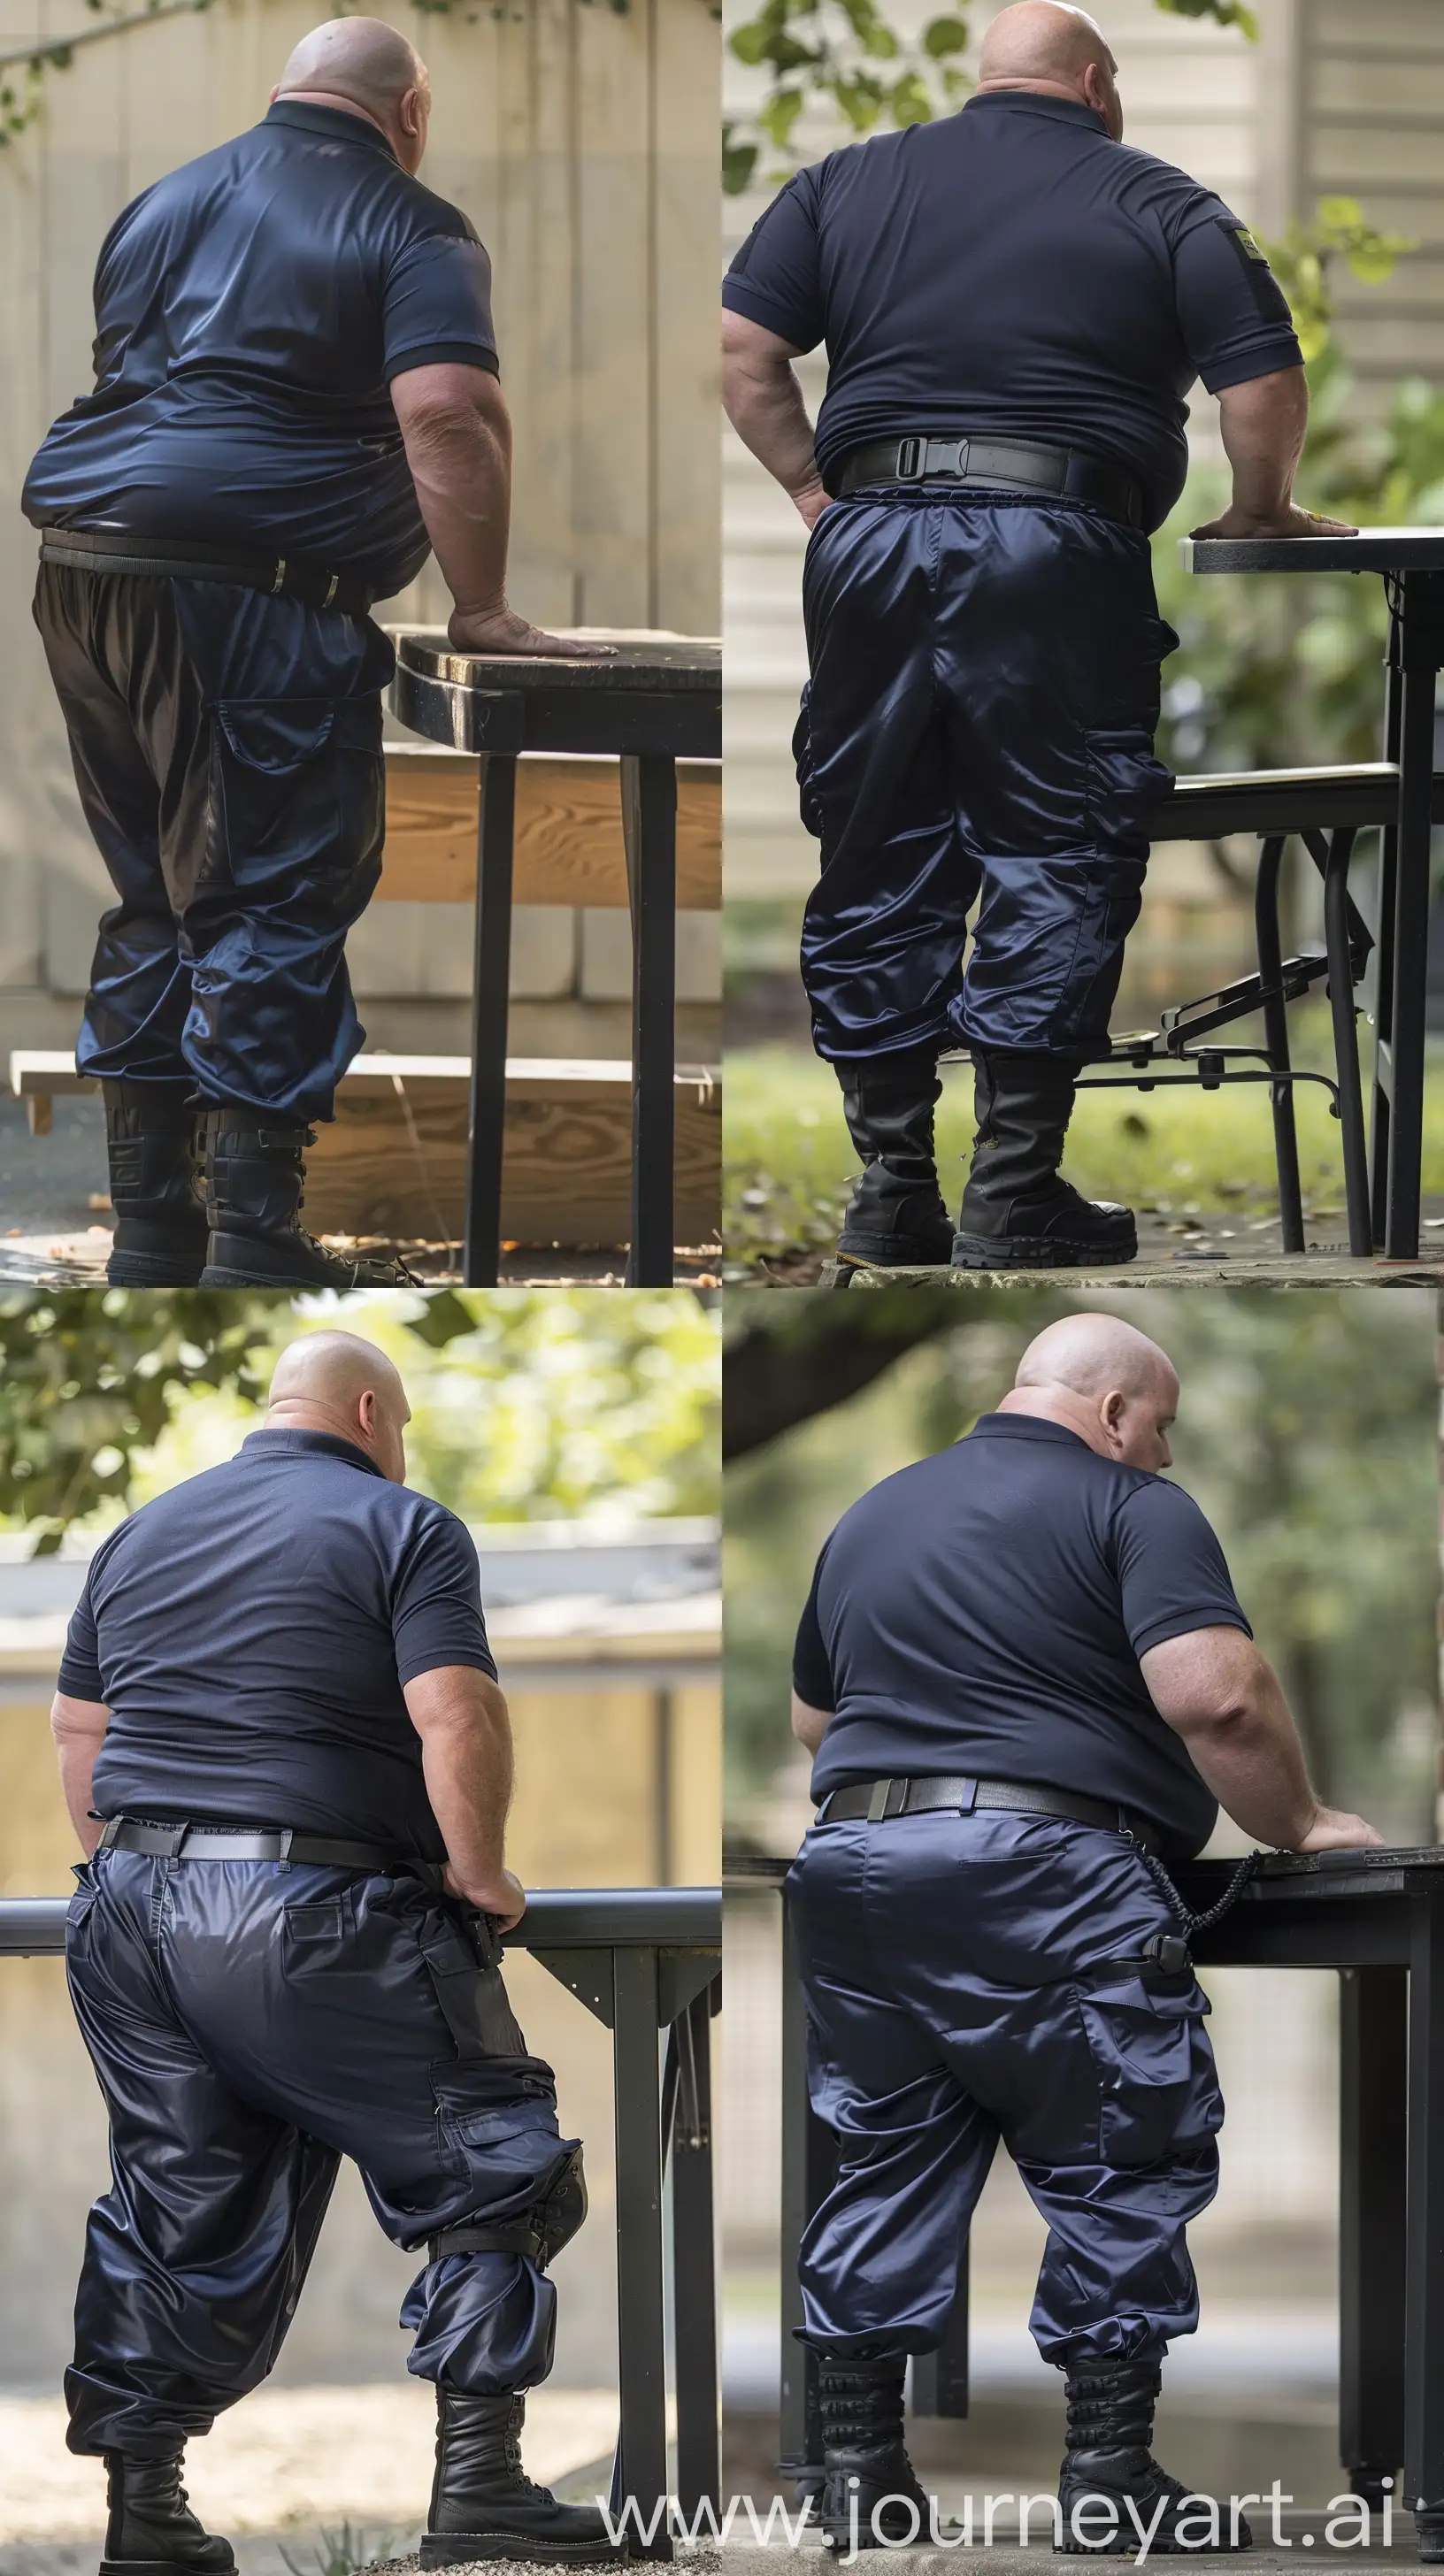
pixel 250 1633
pixel 1011 269
pixel 251 310
pixel 984 1611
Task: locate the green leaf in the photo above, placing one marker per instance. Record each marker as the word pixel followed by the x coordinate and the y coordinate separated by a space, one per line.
pixel 910 102
pixel 779 116
pixel 943 36
pixel 739 160
pixel 860 99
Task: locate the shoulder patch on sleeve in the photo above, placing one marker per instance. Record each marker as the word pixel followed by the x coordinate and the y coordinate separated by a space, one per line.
pixel 1243 242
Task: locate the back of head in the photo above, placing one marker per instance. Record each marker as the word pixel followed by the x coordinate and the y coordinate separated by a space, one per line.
pixel 1041 40
pixel 329 1372
pixel 360 59
pixel 1092 1355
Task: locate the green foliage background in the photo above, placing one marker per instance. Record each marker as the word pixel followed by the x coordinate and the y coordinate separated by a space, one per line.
pixel 526 1406
pixel 1307 1432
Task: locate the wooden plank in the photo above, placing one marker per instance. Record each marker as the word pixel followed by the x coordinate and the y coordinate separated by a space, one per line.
pixel 568 831
pixel 393 1160
pixel 399 1169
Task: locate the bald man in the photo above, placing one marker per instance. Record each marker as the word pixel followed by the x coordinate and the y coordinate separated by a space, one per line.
pixel 1014 307
pixel 296 400
pixel 288 1761
pixel 1028 1687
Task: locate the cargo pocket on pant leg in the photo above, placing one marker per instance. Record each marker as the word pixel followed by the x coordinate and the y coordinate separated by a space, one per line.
pixel 474 2001
pixel 1158 2087
pixel 296 806
pixel 1125 784
pixel 807 799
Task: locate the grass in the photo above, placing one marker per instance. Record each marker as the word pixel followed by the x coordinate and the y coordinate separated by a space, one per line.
pixel 789 1163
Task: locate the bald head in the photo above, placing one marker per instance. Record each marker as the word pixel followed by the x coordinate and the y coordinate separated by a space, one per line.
pixel 1059 51
pixel 369 68
pixel 1104 1380
pixel 335 1382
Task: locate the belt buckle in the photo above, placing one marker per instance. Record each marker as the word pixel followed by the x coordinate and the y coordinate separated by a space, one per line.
pixel 960 460
pixel 279 584
pixel 888 1798
pixel 910 457
pixel 179 1835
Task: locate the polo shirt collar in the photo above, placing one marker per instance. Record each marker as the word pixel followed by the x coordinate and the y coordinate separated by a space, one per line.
pixel 1024 1426
pixel 277 1443
pixel 1031 102
pixel 331 121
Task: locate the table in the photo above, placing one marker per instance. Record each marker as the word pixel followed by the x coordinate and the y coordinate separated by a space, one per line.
pixel 658 701
pixel 1378 1919
pixel 1411 561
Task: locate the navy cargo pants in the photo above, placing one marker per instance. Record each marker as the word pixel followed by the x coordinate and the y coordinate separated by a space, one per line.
pixel 977 730
pixel 971 1978
pixel 227 749
pixel 251 2023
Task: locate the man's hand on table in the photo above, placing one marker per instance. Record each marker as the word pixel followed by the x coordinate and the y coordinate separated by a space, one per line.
pixel 503 630
pixel 1291 521
pixel 1333 1830
pixel 502 1897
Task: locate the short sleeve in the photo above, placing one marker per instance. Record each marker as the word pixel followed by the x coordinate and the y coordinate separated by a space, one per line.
pixel 436 306
pixel 80 1676
pixel 1232 312
pixel 436 1614
pixel 776 278
pixel 1171 1570
pixel 811 1666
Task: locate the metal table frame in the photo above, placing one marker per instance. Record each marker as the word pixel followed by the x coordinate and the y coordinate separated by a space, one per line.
pixel 1412 563
pixel 1378 1919
pixel 642 1959
pixel 569 707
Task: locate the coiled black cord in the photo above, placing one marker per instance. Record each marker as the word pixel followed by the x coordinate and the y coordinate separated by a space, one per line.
pixel 1195 1923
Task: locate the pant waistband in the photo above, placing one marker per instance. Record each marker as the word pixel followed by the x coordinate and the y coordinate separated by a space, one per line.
pixel 880 1800
pixel 263 1842
pixel 184 559
pixel 1009 464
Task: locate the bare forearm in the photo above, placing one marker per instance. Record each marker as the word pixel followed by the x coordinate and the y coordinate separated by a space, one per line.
pixel 467 1764
pixel 1254 1764
pixel 765 406
pixel 1264 425
pixel 461 467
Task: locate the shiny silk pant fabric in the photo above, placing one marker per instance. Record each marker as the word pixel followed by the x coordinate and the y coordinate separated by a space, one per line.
pixel 250 2024
pixel 977 731
pixel 227 750
pixel 976 1978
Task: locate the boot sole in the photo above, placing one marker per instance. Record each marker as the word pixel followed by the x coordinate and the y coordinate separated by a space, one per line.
pixel 133 1270
pixel 896 1256
pixel 149 2567
pixel 458 2548
pixel 1030 1252
pixel 218 1274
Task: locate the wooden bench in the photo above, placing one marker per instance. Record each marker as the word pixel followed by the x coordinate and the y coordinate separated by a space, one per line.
pixel 393 1161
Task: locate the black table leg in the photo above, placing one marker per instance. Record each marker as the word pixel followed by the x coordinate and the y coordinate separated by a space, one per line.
pixel 1373 2080
pixel 490 989
pixel 649 824
pixel 1384 956
pixel 1276 1041
pixel 1411 942
pixel 1346 1042
pixel 1424 2290
pixel 809 2163
pixel 694 2294
pixel 641 2350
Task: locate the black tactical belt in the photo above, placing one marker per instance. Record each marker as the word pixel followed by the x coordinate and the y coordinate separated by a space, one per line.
pixel 1010 464
pixel 181 559
pixel 225 1842
pixel 879 1800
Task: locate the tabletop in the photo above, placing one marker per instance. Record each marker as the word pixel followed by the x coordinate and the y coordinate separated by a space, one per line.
pixel 642 659
pixel 1372 550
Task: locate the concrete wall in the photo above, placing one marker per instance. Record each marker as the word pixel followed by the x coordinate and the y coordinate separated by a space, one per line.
pixel 582 141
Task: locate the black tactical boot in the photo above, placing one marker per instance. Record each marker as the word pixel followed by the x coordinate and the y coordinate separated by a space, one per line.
pixel 483 2505
pixel 1109 2456
pixel 160 1223
pixel 864 2458
pixel 151 2530
pixel 1428 2532
pixel 1018 1211
pixel 254 1176
pixel 897 1217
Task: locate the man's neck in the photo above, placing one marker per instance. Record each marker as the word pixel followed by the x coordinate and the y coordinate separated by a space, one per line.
pixel 331 98
pixel 317 1417
pixel 1059 1404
